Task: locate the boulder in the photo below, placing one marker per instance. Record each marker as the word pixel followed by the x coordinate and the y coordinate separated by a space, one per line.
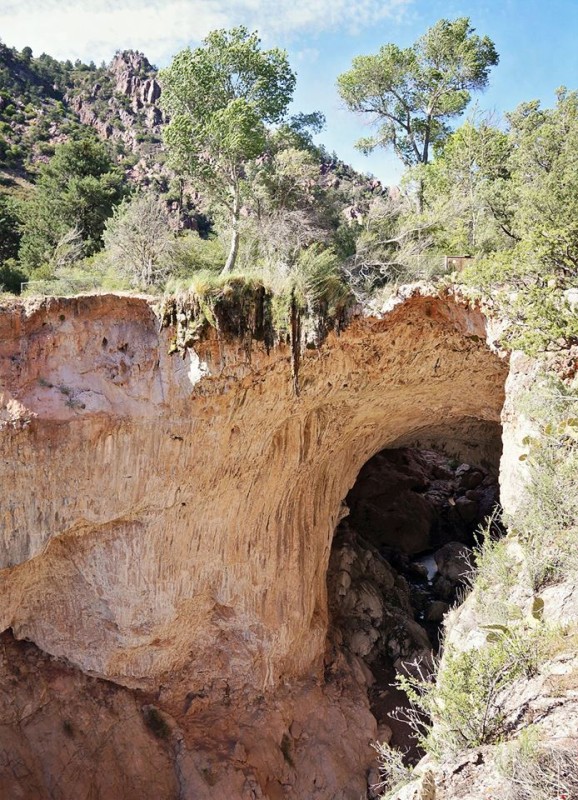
pixel 467 508
pixel 387 501
pixel 436 611
pixel 454 561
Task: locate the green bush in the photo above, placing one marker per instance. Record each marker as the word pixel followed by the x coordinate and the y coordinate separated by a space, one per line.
pixel 496 575
pixel 194 254
pixel 547 522
pixel 463 704
pixel 11 277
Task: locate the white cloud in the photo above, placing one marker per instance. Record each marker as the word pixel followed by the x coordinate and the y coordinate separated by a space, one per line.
pixel 94 29
pixel 307 55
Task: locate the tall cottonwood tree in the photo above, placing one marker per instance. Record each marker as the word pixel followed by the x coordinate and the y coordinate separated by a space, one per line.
pixel 464 189
pixel 220 98
pixel 412 94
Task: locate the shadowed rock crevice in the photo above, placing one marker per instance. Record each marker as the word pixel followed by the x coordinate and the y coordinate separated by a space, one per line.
pixel 399 560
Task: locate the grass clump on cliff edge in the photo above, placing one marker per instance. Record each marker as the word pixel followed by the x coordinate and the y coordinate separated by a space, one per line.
pixel 535 771
pixel 315 285
pixel 258 303
pixel 234 305
pixel 300 307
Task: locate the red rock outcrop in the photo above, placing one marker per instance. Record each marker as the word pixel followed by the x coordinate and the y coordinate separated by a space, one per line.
pixel 167 521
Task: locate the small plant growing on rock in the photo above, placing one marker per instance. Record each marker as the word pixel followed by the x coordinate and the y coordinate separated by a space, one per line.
pixel 547 524
pixel 537 772
pixel 494 566
pixel 393 770
pixel 156 723
pixel 463 704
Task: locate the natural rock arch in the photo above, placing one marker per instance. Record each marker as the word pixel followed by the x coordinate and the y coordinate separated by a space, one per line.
pixel 159 523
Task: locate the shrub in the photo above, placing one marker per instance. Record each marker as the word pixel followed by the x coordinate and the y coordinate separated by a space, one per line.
pixel 547 522
pixel 193 254
pixel 496 573
pixel 11 277
pixel 393 770
pixel 463 704
pixel 138 240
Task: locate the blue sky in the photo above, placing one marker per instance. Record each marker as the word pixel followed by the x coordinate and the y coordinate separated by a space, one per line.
pixel 536 39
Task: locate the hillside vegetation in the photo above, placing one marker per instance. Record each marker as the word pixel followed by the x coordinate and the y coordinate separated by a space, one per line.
pixel 91 170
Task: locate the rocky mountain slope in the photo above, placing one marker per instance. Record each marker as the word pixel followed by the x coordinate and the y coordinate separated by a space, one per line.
pixel 44 101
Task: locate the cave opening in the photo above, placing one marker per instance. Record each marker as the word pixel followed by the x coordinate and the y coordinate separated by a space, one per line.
pixel 400 559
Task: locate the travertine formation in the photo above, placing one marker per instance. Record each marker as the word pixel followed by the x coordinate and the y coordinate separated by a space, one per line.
pixel 166 521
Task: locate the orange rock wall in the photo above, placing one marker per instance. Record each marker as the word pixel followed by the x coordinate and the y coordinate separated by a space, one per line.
pixel 166 516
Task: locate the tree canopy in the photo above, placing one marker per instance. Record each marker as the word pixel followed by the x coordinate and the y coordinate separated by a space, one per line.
pixel 9 234
pixel 413 93
pixel 220 97
pixel 138 241
pixel 76 189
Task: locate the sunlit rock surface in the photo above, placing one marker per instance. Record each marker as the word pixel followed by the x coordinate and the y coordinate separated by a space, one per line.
pixel 166 521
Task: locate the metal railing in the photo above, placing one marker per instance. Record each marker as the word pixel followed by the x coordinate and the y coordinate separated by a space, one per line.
pixel 59 286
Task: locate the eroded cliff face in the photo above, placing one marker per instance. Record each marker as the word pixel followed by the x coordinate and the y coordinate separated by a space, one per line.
pixel 166 521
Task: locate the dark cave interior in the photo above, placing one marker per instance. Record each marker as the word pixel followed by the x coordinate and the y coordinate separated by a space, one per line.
pixel 399 561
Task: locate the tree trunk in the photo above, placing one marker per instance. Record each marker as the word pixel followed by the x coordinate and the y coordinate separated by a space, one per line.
pixel 234 249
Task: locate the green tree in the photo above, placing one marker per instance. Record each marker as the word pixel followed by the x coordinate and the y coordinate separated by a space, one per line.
pixel 138 240
pixel 283 201
pixel 537 205
pixel 462 190
pixel 298 132
pixel 413 93
pixel 76 189
pixel 220 97
pixel 9 229
pixel 10 275
pixel 544 167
